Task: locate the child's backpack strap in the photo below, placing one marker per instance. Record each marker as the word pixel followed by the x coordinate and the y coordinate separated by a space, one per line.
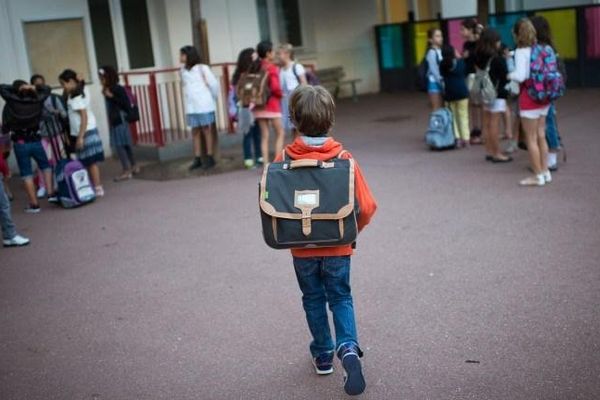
pixel 284 156
pixel 341 153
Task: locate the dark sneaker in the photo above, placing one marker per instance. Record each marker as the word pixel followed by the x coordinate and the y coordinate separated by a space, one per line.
pixel 324 363
pixel 210 162
pixel 197 163
pixel 32 209
pixel 53 199
pixel 354 381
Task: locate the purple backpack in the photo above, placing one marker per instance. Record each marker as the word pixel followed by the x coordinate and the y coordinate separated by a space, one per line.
pixel 545 83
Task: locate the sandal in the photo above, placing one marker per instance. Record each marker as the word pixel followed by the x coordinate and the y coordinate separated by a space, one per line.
pixel 497 160
pixel 123 177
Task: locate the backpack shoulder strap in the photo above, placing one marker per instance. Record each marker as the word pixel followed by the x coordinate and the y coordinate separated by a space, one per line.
pixel 341 153
pixel 284 156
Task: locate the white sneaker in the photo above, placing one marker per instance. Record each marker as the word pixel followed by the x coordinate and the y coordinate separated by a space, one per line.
pixel 99 191
pixel 547 176
pixel 41 193
pixel 248 164
pixel 17 241
pixel 536 180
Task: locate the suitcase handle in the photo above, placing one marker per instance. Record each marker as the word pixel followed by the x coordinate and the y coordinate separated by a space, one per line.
pixel 305 163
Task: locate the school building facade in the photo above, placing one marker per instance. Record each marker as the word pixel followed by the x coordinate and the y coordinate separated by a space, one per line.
pixel 40 36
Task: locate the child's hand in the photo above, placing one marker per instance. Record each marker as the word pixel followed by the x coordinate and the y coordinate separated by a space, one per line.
pixel 107 93
pixel 79 143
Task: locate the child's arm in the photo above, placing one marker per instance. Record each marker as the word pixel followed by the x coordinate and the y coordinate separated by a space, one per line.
pixel 275 83
pixel 211 81
pixel 366 200
pixel 521 66
pixel 82 127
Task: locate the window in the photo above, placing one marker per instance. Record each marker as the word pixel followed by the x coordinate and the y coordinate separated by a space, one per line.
pixel 55 45
pixel 137 33
pixel 102 31
pixel 262 9
pixel 285 16
pixel 288 18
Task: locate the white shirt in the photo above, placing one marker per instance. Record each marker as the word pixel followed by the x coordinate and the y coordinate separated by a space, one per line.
pixel 522 65
pixel 76 104
pixel 200 89
pixel 289 82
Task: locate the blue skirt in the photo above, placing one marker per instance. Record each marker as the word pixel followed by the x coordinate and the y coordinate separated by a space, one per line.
pixel 197 120
pixel 92 151
pixel 120 135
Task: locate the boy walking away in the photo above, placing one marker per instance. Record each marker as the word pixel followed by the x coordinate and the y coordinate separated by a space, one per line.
pixel 320 223
pixel 21 117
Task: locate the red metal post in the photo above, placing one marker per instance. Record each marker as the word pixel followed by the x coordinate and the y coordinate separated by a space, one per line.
pixel 226 83
pixel 155 111
pixel 133 125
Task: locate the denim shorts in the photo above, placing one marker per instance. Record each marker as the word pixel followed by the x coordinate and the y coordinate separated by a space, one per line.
pixel 25 151
pixel 434 87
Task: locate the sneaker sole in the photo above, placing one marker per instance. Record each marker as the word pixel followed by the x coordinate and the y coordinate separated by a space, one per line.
pixel 16 245
pixel 33 211
pixel 354 380
pixel 323 372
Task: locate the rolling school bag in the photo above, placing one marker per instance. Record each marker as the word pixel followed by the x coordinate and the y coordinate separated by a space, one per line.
pixel 440 134
pixel 308 203
pixel 73 183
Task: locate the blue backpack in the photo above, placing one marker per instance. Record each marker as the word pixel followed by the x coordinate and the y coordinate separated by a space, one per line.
pixel 440 135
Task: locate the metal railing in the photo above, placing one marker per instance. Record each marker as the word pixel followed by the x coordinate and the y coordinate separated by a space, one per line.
pixel 160 102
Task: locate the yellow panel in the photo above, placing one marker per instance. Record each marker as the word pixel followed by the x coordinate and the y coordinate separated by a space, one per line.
pixel 563 24
pixel 398 10
pixel 420 31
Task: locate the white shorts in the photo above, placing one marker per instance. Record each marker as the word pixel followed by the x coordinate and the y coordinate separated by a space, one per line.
pixel 498 106
pixel 535 113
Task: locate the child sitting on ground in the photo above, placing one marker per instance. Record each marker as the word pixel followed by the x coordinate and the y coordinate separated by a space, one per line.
pixel 324 273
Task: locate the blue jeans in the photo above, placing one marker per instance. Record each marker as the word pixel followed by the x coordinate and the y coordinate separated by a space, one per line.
pixel 327 280
pixel 252 137
pixel 6 223
pixel 552 135
pixel 24 152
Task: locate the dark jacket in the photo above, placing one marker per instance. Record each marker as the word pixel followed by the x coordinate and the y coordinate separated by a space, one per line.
pixel 498 72
pixel 469 56
pixel 118 106
pixel 455 86
pixel 23 112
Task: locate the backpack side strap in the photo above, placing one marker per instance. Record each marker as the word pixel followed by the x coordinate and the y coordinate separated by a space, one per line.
pixel 341 153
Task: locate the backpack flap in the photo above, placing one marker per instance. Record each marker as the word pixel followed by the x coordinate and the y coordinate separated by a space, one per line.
pixel 308 203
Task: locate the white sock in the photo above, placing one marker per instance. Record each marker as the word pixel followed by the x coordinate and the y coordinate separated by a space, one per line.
pixel 552 157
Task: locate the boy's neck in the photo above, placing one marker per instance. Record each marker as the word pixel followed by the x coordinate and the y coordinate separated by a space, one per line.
pixel 314 141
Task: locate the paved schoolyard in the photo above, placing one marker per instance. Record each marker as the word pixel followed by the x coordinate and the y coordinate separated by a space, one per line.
pixel 165 290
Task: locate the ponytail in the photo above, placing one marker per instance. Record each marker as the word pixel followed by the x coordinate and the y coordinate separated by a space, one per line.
pixel 70 75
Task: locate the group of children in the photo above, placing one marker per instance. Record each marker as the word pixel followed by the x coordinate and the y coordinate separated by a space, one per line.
pixel 451 75
pixel 42 126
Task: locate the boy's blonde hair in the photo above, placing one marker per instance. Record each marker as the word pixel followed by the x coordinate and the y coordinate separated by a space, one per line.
pixel 525 33
pixel 312 110
pixel 288 48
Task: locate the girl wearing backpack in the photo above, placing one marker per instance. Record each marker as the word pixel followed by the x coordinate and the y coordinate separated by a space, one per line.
pixel 470 30
pixel 83 126
pixel 434 57
pixel 544 37
pixel 270 114
pixel 200 91
pixel 117 108
pixel 533 114
pixel 292 75
pixel 456 93
pixel 246 123
pixel 488 58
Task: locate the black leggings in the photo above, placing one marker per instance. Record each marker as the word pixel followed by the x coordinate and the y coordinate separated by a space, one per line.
pixel 125 154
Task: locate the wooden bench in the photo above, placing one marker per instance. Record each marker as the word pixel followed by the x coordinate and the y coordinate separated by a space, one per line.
pixel 332 79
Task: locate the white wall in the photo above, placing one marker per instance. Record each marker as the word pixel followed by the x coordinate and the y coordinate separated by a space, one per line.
pixel 342 34
pixel 179 22
pixel 15 61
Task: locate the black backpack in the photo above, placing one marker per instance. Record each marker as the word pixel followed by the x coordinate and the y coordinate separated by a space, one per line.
pixel 22 113
pixel 422 71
